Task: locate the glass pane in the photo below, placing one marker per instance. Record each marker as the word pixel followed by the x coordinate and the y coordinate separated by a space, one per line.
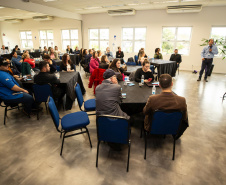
pixel 168 33
pixel 22 35
pixel 104 34
pixel 140 33
pixel 42 35
pixel 74 43
pixel 29 36
pixel 127 46
pixel 93 34
pixel 24 43
pixel 65 34
pixel 218 33
pixel 43 43
pixel 183 48
pixel 93 44
pixel 138 45
pixel 65 43
pixel 167 48
pixel 50 43
pixel 184 33
pixel 127 34
pixel 29 44
pixel 74 34
pixel 50 34
pixel 104 45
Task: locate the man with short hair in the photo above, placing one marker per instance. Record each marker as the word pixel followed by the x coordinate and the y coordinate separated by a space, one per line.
pixel 176 57
pixel 167 100
pixel 207 54
pixel 69 50
pixel 108 96
pixel 4 51
pixel 45 52
pixel 52 63
pixel 17 60
pixel 44 77
pixel 10 90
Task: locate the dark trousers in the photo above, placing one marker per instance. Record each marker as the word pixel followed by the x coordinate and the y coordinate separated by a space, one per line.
pixel 207 63
pixel 27 100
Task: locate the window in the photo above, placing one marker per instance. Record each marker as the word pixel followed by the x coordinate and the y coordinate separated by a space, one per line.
pixel 133 39
pixel 69 37
pixel 99 39
pixel 26 39
pixel 219 33
pixel 176 38
pixel 46 38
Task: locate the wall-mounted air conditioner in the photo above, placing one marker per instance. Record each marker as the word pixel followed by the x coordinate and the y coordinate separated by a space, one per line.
pixel 121 12
pixel 184 9
pixel 43 18
pixel 13 20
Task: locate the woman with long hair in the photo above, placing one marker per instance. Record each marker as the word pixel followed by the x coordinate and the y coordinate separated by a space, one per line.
pixel 104 63
pixel 158 55
pixel 66 64
pixel 94 62
pixel 115 66
pixel 99 54
pixel 53 55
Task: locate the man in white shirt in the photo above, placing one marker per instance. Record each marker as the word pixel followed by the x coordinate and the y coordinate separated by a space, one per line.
pixel 4 51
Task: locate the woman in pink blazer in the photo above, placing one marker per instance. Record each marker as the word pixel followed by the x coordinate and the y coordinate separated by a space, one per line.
pixel 94 62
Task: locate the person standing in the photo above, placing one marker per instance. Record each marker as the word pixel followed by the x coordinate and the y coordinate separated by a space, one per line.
pixel 207 54
pixel 176 57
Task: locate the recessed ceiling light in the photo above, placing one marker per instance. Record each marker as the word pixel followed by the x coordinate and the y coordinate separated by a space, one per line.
pixel 89 8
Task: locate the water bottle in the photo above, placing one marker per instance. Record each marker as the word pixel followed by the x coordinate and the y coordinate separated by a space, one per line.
pixel 142 79
pixel 153 90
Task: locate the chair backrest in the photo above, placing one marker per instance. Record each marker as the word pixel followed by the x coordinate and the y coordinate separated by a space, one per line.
pixel 113 129
pixel 135 58
pixel 42 92
pixel 166 122
pixel 79 95
pixel 25 68
pixel 53 112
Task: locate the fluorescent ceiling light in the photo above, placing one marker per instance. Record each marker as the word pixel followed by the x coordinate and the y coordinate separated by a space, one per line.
pixel 134 4
pixel 162 2
pixel 89 8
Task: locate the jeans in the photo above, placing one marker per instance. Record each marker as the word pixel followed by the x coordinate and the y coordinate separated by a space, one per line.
pixel 27 100
pixel 208 64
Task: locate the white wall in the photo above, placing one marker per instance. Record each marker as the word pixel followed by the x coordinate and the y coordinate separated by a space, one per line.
pixel 12 36
pixel 154 20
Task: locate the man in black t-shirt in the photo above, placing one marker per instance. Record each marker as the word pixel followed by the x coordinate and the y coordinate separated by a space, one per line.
pixel 145 70
pixel 176 57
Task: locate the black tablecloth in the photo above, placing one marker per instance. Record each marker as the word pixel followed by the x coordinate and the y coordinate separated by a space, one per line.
pixel 136 97
pixel 74 58
pixel 165 66
pixel 67 81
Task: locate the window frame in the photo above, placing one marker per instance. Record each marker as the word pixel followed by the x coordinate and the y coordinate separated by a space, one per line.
pixel 46 38
pixel 26 39
pixel 98 39
pixel 175 41
pixel 134 40
pixel 70 40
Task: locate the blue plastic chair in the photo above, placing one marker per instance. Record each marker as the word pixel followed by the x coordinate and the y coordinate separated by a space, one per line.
pixel 164 123
pixel 136 58
pixel 58 68
pixel 89 105
pixel 113 129
pixel 69 123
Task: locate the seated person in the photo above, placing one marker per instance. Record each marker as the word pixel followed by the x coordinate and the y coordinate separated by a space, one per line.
pixel 119 53
pixel 3 50
pixel 104 63
pixel 145 70
pixel 85 57
pixel 167 100
pixel 141 49
pixel 69 50
pixel 57 50
pixel 66 64
pixel 17 49
pixel 17 60
pixel 53 55
pixel 90 54
pixel 10 90
pixel 157 55
pixel 108 53
pixel 45 52
pixel 52 63
pixel 141 57
pixel 27 52
pixel 176 57
pixel 99 54
pixel 94 62
pixel 76 50
pixel 44 77
pixel 108 96
pixel 30 61
pixel 115 66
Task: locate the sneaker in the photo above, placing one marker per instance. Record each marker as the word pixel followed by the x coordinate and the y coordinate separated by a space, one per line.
pixel 199 79
pixel 206 79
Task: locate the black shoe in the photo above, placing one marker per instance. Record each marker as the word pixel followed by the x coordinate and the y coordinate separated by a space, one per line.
pixel 206 79
pixel 199 79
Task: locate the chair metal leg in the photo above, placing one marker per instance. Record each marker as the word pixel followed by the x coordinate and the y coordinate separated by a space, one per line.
pixel 62 144
pixel 89 137
pixel 98 144
pixel 5 115
pixel 145 138
pixel 174 145
pixel 128 156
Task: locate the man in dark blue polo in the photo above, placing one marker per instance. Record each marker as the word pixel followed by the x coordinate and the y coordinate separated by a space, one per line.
pixel 10 90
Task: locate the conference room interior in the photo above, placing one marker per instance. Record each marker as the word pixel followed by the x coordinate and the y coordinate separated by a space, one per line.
pixel 30 148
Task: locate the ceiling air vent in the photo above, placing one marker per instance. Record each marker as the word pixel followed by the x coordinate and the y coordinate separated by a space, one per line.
pixel 184 9
pixel 121 12
pixel 43 18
